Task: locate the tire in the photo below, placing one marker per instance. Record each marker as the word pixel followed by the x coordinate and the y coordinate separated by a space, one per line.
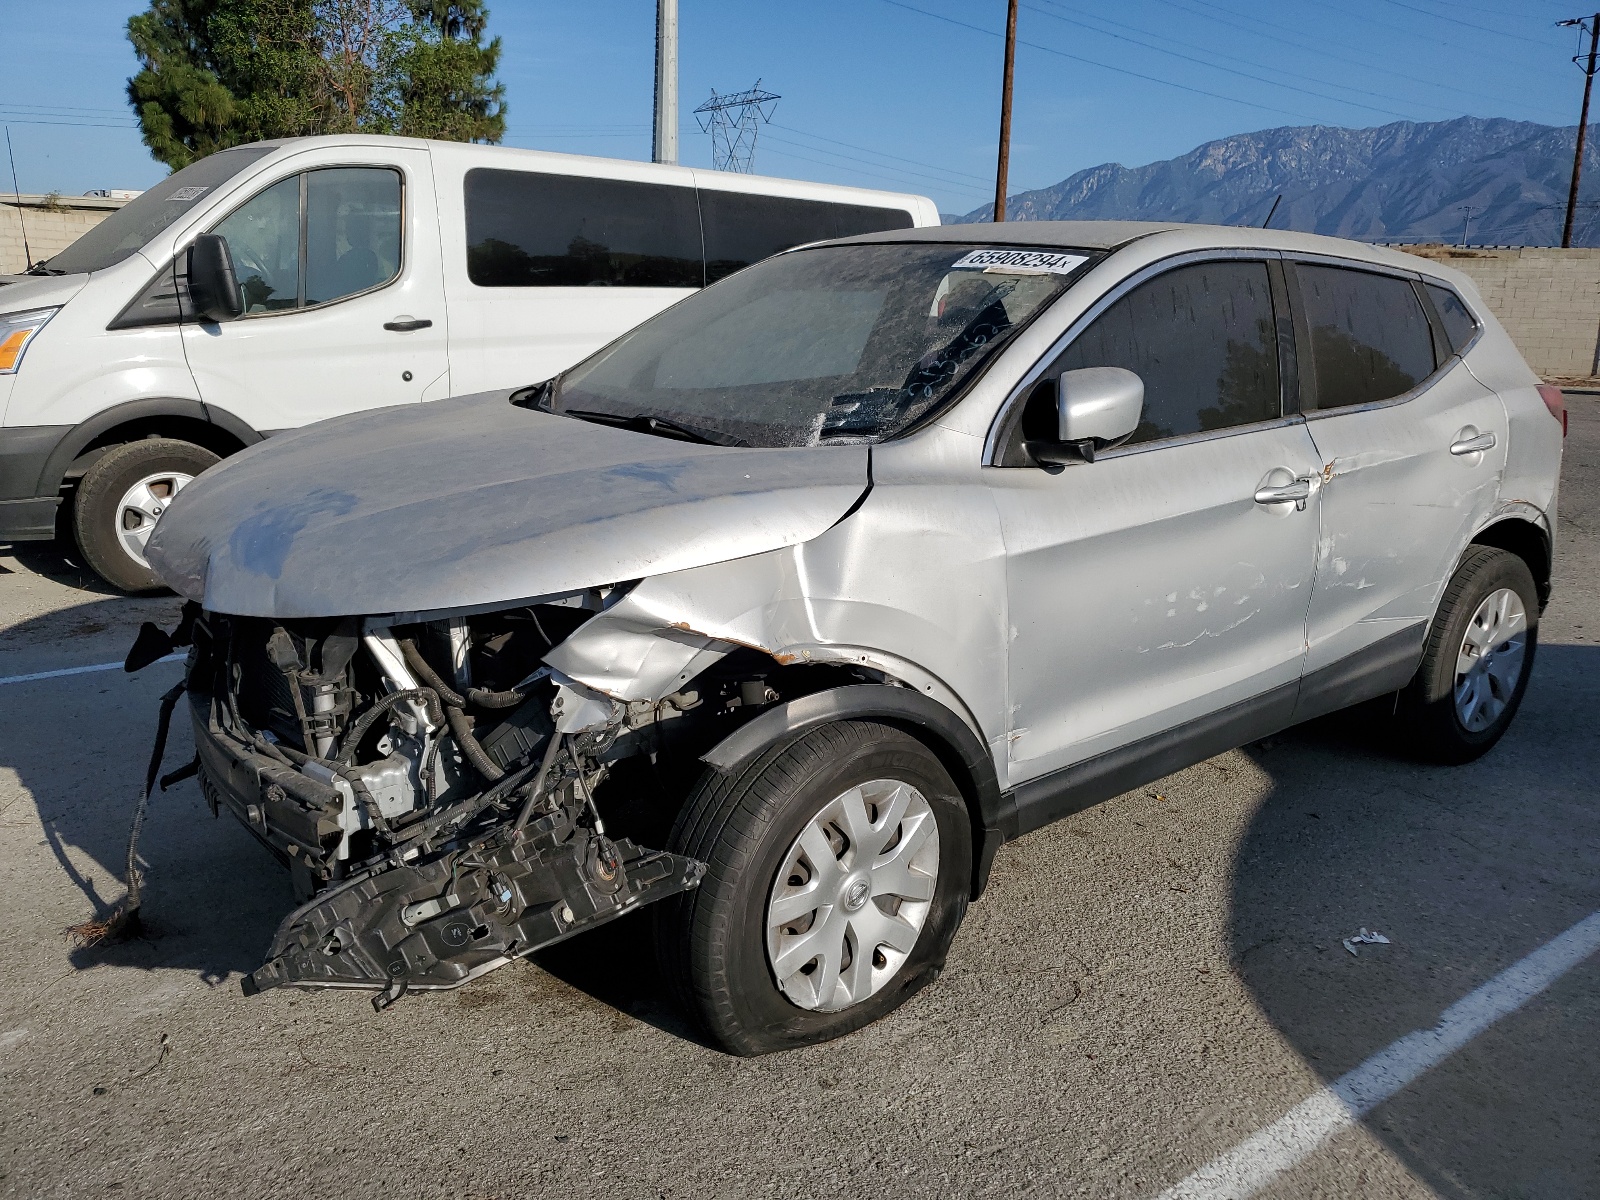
pixel 110 513
pixel 1445 716
pixel 713 943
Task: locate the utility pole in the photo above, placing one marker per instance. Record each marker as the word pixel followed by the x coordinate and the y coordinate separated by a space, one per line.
pixel 1466 223
pixel 1591 26
pixel 664 148
pixel 1005 114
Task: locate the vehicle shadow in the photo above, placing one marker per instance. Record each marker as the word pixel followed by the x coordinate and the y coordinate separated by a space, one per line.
pixel 1466 869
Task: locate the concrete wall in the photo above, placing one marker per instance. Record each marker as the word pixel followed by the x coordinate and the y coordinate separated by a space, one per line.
pixel 1547 298
pixel 52 224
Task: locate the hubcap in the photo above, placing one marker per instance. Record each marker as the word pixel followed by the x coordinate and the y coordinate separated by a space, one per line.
pixel 1491 660
pixel 852 895
pixel 141 507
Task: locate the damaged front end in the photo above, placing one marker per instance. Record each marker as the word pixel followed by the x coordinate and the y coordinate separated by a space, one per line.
pixel 434 788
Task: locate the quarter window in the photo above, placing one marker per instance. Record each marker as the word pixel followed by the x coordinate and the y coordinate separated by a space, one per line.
pixel 1370 339
pixel 531 230
pixel 316 237
pixel 1459 323
pixel 1203 340
pixel 741 228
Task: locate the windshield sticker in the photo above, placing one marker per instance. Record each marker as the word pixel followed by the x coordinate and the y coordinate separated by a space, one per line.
pixel 188 193
pixel 1020 262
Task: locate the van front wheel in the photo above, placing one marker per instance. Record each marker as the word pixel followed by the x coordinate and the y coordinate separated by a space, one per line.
pixel 120 499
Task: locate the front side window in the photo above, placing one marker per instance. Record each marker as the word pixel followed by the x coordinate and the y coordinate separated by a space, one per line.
pixel 838 343
pixel 1370 339
pixel 530 230
pixel 316 237
pixel 1202 338
pixel 741 228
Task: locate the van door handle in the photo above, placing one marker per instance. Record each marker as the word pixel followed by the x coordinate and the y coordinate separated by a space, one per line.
pixel 1296 493
pixel 407 324
pixel 1472 445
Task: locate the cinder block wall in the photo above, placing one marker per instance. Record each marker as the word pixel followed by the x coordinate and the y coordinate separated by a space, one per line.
pixel 52 225
pixel 1547 298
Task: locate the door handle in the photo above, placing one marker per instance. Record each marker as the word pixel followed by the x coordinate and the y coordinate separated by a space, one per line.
pixel 407 324
pixel 1473 445
pixel 1296 493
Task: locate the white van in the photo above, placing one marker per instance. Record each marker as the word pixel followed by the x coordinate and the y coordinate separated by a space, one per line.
pixel 346 273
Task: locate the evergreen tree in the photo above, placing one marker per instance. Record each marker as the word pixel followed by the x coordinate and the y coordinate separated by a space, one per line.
pixel 218 73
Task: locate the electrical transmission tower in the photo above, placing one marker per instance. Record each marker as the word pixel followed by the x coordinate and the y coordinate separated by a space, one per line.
pixel 732 121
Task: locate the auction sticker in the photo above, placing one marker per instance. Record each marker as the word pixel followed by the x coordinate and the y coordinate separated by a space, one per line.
pixel 1022 262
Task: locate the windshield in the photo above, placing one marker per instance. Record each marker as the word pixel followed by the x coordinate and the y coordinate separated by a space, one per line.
pixel 131 227
pixel 838 343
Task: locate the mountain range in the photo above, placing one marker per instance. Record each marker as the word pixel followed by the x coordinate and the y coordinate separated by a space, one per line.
pixel 1404 182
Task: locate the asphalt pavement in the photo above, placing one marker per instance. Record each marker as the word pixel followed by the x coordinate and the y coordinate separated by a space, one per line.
pixel 1144 987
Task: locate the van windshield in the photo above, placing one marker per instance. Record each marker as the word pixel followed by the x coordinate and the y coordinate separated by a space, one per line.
pixel 833 344
pixel 131 227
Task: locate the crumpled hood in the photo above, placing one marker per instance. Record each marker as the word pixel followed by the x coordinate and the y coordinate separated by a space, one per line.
pixel 473 502
pixel 19 293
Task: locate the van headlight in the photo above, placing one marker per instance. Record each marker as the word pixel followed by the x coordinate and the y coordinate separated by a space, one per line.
pixel 16 331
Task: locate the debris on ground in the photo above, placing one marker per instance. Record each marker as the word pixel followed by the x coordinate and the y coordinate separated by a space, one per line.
pixel 1365 939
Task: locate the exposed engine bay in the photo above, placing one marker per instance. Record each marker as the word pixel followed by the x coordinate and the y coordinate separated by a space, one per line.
pixel 445 800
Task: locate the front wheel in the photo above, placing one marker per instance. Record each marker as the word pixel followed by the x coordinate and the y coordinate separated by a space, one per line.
pixel 838 871
pixel 1477 659
pixel 120 499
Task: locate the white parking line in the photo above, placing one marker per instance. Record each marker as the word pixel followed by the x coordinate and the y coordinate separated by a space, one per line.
pixel 113 666
pixel 1265 1155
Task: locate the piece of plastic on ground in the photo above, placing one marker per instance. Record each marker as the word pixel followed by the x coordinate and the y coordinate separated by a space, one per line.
pixel 1364 939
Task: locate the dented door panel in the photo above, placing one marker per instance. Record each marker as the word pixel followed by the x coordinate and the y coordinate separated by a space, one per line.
pixel 1397 509
pixel 1148 588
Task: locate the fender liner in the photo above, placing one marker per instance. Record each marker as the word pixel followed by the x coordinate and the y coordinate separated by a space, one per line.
pixel 933 724
pixel 103 422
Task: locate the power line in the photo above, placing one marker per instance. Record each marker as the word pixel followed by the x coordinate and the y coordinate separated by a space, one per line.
pixel 1454 20
pixel 882 154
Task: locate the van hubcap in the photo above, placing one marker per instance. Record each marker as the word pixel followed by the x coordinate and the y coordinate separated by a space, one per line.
pixel 852 895
pixel 1491 660
pixel 141 507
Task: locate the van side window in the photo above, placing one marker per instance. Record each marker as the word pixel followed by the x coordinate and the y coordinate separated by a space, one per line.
pixel 1370 339
pixel 741 228
pixel 1204 341
pixel 1459 323
pixel 531 230
pixel 348 220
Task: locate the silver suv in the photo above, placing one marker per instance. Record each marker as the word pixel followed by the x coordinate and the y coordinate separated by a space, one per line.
pixel 783 611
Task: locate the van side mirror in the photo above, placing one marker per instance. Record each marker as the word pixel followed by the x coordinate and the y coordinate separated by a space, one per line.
pixel 1096 407
pixel 213 286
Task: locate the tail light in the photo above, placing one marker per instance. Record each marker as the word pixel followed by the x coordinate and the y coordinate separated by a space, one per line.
pixel 1556 403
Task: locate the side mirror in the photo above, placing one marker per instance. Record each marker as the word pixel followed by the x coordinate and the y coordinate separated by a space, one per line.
pixel 1096 407
pixel 213 287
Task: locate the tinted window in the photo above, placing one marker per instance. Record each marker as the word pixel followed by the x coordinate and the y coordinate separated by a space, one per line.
pixel 1204 341
pixel 352 231
pixel 130 227
pixel 1370 339
pixel 741 229
pixel 1459 323
pixel 529 230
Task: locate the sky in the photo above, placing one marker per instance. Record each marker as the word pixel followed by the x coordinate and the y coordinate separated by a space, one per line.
pixel 899 94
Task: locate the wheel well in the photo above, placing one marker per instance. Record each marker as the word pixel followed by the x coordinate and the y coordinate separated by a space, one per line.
pixel 184 429
pixel 1528 542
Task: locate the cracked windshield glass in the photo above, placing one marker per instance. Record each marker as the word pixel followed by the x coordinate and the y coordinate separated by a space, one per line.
pixel 835 344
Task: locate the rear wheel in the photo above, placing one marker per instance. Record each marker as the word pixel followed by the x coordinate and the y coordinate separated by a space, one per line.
pixel 1477 659
pixel 838 871
pixel 121 498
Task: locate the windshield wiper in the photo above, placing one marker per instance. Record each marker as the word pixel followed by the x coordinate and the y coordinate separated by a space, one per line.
pixel 39 268
pixel 660 426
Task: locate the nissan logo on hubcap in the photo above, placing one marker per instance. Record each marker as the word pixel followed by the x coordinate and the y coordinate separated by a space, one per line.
pixel 856 894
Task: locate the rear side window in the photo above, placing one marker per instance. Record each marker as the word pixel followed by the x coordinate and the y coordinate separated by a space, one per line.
pixel 1370 339
pixel 1204 341
pixel 741 229
pixel 530 230
pixel 1459 323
